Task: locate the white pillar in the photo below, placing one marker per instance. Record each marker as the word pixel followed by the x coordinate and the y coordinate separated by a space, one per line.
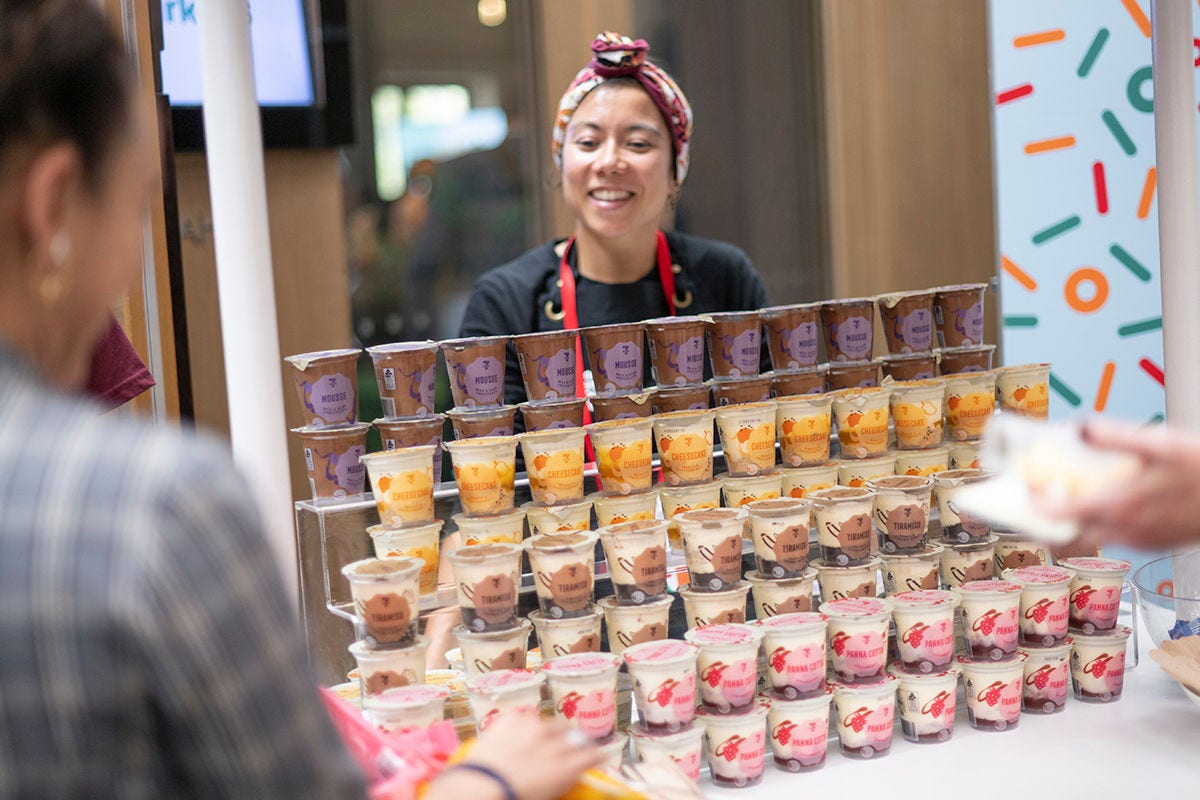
pixel 1178 205
pixel 245 286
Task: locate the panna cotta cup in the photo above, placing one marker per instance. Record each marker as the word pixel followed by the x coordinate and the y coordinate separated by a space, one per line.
pixel 925 629
pixel 583 689
pixel 504 691
pixel 864 717
pixel 799 731
pixel 993 692
pixel 858 638
pixel 407 708
pixel 927 704
pixel 1047 678
pixel 794 645
pixel 1095 592
pixel 1045 598
pixel 736 745
pixel 727 665
pixel 988 615
pixel 664 683
pixel 683 749
pixel 1098 665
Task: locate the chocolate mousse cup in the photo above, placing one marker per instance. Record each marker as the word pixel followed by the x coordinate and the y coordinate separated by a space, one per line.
pixel 473 423
pixel 911 367
pixel 414 432
pixel 793 333
pixel 676 350
pixel 976 358
pixel 681 398
pixel 564 571
pixel 406 373
pixel 958 314
pixel 547 362
pixel 327 386
pixel 553 414
pixel 331 457
pixel 849 327
pixel 476 369
pixel 734 343
pixel 853 375
pixel 606 407
pixel 736 391
pixel 807 380
pixel 614 355
pixel 907 321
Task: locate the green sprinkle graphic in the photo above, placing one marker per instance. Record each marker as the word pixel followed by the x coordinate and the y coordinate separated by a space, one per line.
pixel 1065 391
pixel 1114 127
pixel 1131 263
pixel 1021 322
pixel 1057 229
pixel 1093 51
pixel 1133 90
pixel 1156 419
pixel 1134 328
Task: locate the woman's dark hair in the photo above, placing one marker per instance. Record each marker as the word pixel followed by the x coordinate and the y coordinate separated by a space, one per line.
pixel 64 76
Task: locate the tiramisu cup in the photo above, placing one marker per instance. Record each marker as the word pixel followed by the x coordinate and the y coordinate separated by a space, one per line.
pixel 913 572
pixel 927 704
pixel 799 731
pixel 630 625
pixel 1014 550
pixel 385 593
pixel 712 608
pixel 583 688
pixel 487 578
pixel 1047 673
pixel 839 583
pixel 712 541
pixel 901 512
pixel 779 529
pixel 747 437
pixel 736 745
pixel 993 692
pixel 561 637
pixel 864 716
pixel 773 596
pixel 794 645
pixel 664 683
pixel 925 629
pixel 636 554
pixel 1098 665
pixel 564 571
pixel 988 615
pixel 380 670
pixel 962 563
pixel 485 651
pixel 407 708
pixel 843 519
pixel 957 527
pixel 858 638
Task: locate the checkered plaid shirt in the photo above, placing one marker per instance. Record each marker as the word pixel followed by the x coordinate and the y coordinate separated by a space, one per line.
pixel 147 649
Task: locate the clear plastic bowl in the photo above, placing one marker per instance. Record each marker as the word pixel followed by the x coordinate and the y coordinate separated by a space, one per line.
pixel 1161 599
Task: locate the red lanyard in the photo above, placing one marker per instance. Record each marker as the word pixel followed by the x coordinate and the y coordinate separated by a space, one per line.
pixel 666 276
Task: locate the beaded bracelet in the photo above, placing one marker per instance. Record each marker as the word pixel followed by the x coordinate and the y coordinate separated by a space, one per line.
pixel 505 787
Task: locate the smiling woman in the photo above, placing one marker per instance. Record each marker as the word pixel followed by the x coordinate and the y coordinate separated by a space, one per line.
pixel 621 143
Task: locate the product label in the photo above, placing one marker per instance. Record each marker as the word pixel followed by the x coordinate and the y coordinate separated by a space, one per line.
pixel 905 525
pixel 968 323
pixel 416 388
pixel 556 372
pixel 650 632
pixel 743 756
pixel 743 351
pixel 805 439
pixel 686 359
pixel 345 470
pixel 933 642
pixel 804 740
pixel 559 473
pixel 594 713
pixel 405 497
pixel 570 587
pixel 861 654
pixel 915 329
pixel 672 700
pixel 802 668
pixel 388 616
pixel 725 558
pixel 853 338
pixel 494 598
pixel 330 399
pixel 1098 606
pixel 619 366
pixel 482 380
pixel 479 487
pixel 647 570
pixel 799 344
pixel 853 535
pixel 687 457
pixel 790 547
pixel 732 683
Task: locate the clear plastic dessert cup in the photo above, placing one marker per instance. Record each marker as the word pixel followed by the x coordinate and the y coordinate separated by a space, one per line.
pixel 799 731
pixel 636 554
pixel 774 596
pixel 386 594
pixel 739 492
pixel 558 519
pixel 1025 390
pixel 858 638
pixel 332 457
pixel 583 688
pixel 624 451
pixel 739 391
pixel 714 608
pixel 1095 592
pixel 380 670
pixel 620 508
pixel 748 437
pixel 554 464
pixel 395 434
pixel 484 470
pixel 963 563
pixel 547 364
pixel 678 499
pixel 970 403
pixel 993 692
pixel 864 716
pixel 664 684
pixel 486 651
pixel 853 375
pixel 506 527
pixel 959 528
pixel 736 745
pixel 614 753
pixel 564 572
pixel 1098 665
pixel 806 380
pixel 797 482
pixel 407 708
pixel 958 314
pixel 988 614
pixel 504 691
pixel 562 637
pixel 907 319
pixel 917 413
pixel 911 573
pixel 475 423
pixel 327 386
pixel 624 405
pixel 925 629
pixel 685 444
pixel 974 358
pixel 487 578
pixel 927 704
pixel 546 415
pixel 922 463
pixel 681 398
pixel 779 529
pixel 901 512
pixel 803 423
pixel 406 373
pixel 862 416
pixel 840 583
pixel 855 472
pixel 1014 551
pixel 476 368
pixel 794 645
pixel 844 529
pixel 1045 598
pixel 1047 673
pixel 614 353
pixel 849 327
pixel 632 625
pixel 965 455
pixel 676 350
pixel 402 481
pixel 793 333
pixel 683 749
pixel 911 367
pixel 420 541
pixel 727 665
pixel 734 340
pixel 712 540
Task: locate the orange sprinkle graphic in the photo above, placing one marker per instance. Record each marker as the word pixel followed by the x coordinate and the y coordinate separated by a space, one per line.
pixel 1019 275
pixel 1147 193
pixel 1045 37
pixel 1139 17
pixel 1106 378
pixel 1045 145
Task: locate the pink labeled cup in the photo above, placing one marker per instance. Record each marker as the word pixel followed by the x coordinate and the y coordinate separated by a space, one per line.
pixel 748 437
pixel 794 645
pixel 1095 592
pixel 713 608
pixel 988 614
pixel 712 540
pixel 727 665
pixel 993 692
pixel 487 578
pixel 327 386
pixel 676 350
pixel 1047 673
pixel 1045 598
pixel 1098 665
pixel 614 355
pixel 504 691
pixel 408 708
pixel 844 528
pixel 839 583
pixel 476 368
pixel 636 554
pixel 864 716
pixel 779 529
pixel 793 333
pixel 632 625
pixel 907 320
pixel 332 457
pixel 547 363
pixel 849 327
pixel 799 481
pixel 562 637
pixel 683 749
pixel 803 423
pixel 914 572
pixel 487 651
pixel 925 629
pixel 664 683
pixel 799 731
pixel 736 745
pixel 858 638
pixel 583 688
pixel 927 704
pixel 406 373
pixel 685 443
pixel 734 341
pixel 901 512
pixel 624 452
pixel 775 596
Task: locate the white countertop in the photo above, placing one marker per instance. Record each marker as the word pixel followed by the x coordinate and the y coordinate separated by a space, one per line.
pixel 1146 745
